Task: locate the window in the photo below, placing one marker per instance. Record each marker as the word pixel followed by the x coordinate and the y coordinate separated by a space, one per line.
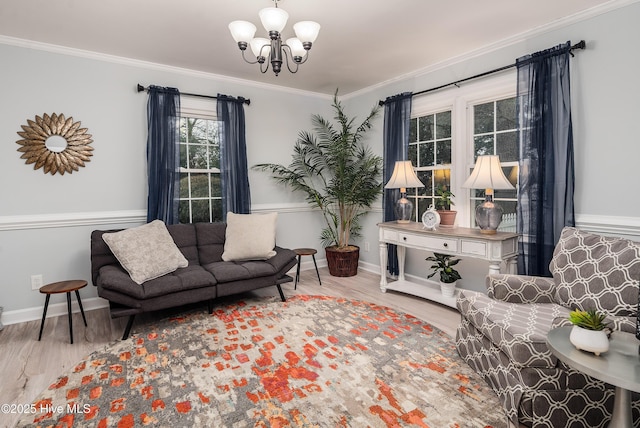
pixel 430 154
pixel 450 129
pixel 495 133
pixel 200 186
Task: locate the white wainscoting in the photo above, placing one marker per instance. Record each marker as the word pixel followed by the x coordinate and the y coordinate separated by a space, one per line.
pixel 627 227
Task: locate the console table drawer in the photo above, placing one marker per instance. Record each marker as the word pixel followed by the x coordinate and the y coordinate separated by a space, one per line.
pixel 475 248
pixel 429 242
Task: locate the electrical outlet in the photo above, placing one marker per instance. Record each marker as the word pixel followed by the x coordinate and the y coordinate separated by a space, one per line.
pixel 366 246
pixel 36 282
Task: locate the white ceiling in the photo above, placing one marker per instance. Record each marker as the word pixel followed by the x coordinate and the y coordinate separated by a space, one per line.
pixel 362 42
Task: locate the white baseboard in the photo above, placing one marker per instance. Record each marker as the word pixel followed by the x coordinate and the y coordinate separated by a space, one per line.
pixel 54 310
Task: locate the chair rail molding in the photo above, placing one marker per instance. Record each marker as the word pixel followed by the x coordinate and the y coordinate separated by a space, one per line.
pixel 56 220
pixel 628 227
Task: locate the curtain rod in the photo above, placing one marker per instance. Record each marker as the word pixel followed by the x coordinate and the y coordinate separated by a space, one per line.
pixel 580 45
pixel 246 101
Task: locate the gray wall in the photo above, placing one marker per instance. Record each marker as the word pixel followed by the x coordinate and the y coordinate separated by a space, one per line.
pixel 45 220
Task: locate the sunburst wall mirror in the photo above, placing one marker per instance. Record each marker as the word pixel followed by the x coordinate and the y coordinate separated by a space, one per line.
pixel 56 144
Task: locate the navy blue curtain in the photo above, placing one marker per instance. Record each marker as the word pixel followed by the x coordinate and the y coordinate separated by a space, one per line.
pixel 163 154
pixel 397 117
pixel 234 174
pixel 545 197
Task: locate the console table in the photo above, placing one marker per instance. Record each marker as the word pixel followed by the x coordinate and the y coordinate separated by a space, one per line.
pixel 457 241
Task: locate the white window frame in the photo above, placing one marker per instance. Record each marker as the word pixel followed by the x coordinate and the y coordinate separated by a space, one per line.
pixel 460 100
pixel 202 109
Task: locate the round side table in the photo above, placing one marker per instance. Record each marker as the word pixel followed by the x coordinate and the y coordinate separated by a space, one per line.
pixel 63 287
pixel 305 252
pixel 620 367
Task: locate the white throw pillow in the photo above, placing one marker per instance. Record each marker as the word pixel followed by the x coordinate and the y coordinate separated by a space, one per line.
pixel 146 251
pixel 250 237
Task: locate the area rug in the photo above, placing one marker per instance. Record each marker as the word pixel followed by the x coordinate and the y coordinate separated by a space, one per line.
pixel 313 361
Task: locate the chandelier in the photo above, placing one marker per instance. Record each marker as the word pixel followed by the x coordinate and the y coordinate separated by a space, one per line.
pixel 272 50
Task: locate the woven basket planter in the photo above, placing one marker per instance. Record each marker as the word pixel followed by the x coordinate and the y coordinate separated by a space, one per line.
pixel 343 263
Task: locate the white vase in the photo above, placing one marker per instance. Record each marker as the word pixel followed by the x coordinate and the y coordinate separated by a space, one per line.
pixel 448 289
pixel 589 340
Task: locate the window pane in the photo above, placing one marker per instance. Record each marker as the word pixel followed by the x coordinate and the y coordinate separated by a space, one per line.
pixel 214 156
pixel 443 121
pixel 423 205
pixel 443 152
pixel 425 177
pixel 413 154
pixel 216 210
pixel 184 185
pixel 216 186
pixel 511 172
pixel 200 211
pixel 183 212
pixel 199 185
pixel 483 118
pixel 413 130
pixel 183 155
pixel 426 154
pixel 507 146
pixel 482 145
pixel 198 131
pixel 425 128
pixel 183 130
pixel 506 114
pixel 442 177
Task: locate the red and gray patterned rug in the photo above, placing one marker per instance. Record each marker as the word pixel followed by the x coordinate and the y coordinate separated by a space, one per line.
pixel 313 361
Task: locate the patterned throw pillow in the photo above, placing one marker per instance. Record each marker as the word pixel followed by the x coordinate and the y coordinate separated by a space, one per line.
pixel 250 237
pixel 146 252
pixel 596 272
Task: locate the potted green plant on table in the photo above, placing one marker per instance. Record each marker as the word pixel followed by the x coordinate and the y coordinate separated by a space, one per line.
pixel 443 206
pixel 340 176
pixel 448 275
pixel 589 332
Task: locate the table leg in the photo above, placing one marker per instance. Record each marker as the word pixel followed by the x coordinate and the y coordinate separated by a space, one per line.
pixel 383 266
pixel 621 417
pixel 70 318
pixel 44 315
pixel 494 267
pixel 401 254
pixel 295 285
pixel 81 308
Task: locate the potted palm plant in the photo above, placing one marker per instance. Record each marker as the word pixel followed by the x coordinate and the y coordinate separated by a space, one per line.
pixel 340 176
pixel 443 206
pixel 448 275
pixel 589 332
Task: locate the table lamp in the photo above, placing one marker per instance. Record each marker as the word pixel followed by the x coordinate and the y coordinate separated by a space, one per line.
pixel 402 178
pixel 487 174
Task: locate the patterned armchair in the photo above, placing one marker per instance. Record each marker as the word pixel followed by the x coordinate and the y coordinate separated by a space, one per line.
pixel 502 335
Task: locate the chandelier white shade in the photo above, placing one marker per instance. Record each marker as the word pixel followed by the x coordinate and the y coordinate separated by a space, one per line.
pixel 272 51
pixel 403 177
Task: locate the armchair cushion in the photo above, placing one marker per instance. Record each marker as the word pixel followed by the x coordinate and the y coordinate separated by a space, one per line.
pixel 518 330
pixel 521 288
pixel 596 272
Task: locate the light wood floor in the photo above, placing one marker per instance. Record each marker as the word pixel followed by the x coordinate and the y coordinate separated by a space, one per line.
pixel 28 367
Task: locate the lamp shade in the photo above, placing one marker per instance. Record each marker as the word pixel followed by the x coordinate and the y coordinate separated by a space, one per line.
pixel 487 174
pixel 307 31
pixel 273 19
pixel 403 177
pixel 242 31
pixel 296 47
pixel 260 46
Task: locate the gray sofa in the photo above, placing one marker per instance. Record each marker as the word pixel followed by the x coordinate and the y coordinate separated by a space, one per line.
pixel 502 335
pixel 206 277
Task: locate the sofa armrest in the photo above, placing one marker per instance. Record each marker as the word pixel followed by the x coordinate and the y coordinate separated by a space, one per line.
pixel 521 288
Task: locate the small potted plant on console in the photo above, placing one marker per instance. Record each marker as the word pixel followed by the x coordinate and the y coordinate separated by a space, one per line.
pixel 448 275
pixel 443 206
pixel 589 332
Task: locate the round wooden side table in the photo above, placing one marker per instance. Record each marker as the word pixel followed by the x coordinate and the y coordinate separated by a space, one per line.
pixel 305 252
pixel 63 287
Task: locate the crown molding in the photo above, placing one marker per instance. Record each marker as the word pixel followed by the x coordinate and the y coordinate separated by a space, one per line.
pixel 509 41
pixel 114 59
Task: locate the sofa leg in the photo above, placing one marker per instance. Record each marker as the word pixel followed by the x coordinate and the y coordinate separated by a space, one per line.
pixel 210 306
pixel 127 329
pixel 281 293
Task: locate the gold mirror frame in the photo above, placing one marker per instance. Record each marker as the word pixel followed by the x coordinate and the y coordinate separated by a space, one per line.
pixel 68 159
